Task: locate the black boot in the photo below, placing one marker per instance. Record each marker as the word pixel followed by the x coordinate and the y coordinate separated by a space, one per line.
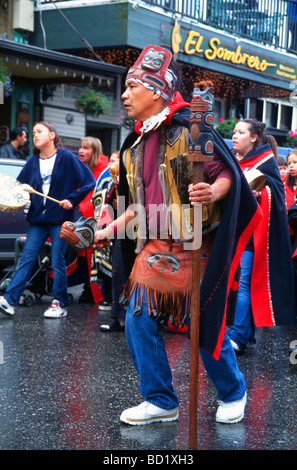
pixel 86 296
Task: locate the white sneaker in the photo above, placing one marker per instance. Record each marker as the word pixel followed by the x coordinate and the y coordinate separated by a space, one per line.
pixel 55 311
pixel 146 413
pixel 5 307
pixel 105 306
pixel 231 412
pixel 235 346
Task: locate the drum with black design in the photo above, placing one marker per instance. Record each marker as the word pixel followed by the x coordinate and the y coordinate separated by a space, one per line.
pixel 12 197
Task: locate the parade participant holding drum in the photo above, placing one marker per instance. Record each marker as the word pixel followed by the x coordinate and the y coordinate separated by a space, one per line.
pixel 58 182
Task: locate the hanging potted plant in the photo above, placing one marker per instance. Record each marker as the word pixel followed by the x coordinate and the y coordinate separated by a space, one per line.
pixel 5 79
pixel 291 139
pixel 93 103
pixel 226 126
pixel 127 122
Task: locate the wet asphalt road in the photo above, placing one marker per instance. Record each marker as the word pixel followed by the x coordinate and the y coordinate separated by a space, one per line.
pixel 63 385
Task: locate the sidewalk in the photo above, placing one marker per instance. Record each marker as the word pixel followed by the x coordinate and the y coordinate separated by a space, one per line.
pixel 63 385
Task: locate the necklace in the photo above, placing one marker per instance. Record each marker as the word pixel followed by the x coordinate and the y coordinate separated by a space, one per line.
pixel 45 158
pixel 152 123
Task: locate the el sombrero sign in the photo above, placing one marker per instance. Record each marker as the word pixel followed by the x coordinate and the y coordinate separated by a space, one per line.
pixel 196 43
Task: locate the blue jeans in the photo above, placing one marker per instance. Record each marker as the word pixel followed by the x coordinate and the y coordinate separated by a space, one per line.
pixel 243 328
pixel 36 237
pixel 147 349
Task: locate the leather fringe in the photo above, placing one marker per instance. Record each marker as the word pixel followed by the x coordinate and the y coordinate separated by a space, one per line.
pixel 172 306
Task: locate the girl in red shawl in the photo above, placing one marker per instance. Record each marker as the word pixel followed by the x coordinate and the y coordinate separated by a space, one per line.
pixel 291 180
pixel 290 197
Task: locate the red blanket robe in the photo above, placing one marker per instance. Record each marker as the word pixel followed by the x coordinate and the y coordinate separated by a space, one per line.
pixel 272 287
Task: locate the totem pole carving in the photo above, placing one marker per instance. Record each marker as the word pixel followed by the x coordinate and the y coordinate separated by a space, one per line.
pixel 200 151
pixel 201 123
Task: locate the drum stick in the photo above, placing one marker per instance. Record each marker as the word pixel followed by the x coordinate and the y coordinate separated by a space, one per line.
pixel 28 188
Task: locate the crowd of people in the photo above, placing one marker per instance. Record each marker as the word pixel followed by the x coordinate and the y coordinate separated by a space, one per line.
pixel 250 250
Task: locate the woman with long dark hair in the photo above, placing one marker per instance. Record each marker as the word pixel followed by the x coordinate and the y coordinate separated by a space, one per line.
pixel 266 290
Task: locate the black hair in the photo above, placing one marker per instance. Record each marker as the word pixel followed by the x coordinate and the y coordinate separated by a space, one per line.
pixel 16 131
pixel 282 161
pixel 290 179
pixel 258 129
pixel 51 128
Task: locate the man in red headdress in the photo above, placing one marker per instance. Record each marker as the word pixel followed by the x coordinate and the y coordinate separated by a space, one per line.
pixel 156 174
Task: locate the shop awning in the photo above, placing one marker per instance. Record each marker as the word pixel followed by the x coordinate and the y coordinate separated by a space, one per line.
pixel 40 65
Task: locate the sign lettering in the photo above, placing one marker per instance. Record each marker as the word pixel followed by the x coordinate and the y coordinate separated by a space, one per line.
pixel 192 42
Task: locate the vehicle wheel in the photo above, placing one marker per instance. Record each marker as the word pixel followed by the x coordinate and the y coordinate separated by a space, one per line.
pixel 4 285
pixel 28 301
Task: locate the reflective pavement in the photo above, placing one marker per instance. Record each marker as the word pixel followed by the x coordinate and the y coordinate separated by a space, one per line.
pixel 63 385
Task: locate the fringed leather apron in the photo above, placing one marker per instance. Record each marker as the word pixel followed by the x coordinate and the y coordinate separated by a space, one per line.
pixel 163 268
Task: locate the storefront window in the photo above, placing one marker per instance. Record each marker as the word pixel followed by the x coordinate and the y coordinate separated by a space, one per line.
pixel 255 109
pixel 219 109
pixel 271 114
pixel 285 117
pixel 276 114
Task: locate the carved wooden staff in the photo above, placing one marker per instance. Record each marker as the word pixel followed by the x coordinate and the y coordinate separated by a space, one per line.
pixel 200 151
pixel 114 174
